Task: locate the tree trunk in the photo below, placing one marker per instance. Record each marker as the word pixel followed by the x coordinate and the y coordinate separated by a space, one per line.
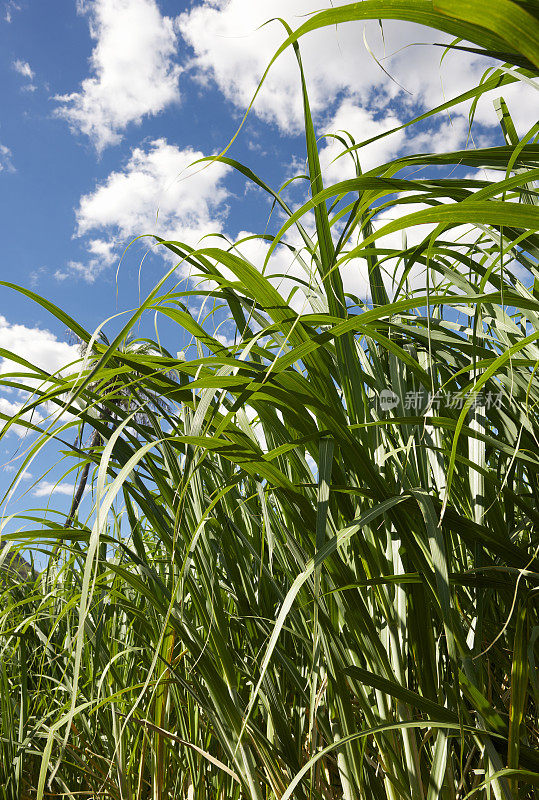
pixel 95 441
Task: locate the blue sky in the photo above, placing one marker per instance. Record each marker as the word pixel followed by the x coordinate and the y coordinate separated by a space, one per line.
pixel 105 103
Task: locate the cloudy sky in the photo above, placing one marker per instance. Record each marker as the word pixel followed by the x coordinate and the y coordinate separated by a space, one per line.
pixel 106 104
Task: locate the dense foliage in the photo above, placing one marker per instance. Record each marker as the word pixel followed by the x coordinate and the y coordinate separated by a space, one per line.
pixel 311 564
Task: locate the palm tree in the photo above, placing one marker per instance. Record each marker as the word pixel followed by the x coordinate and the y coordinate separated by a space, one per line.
pixel 119 394
pixel 15 565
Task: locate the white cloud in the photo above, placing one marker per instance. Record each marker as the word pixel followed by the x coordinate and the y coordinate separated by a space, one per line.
pixel 24 476
pixel 462 237
pixel 445 135
pixel 11 408
pixel 40 347
pixel 226 341
pixel 102 255
pixel 355 272
pixel 286 272
pixel 134 72
pixel 522 101
pixel 231 48
pixel 157 192
pixel 6 164
pixel 361 125
pixel 283 268
pixel 9 9
pixel 24 69
pixel 45 488
pixel 36 275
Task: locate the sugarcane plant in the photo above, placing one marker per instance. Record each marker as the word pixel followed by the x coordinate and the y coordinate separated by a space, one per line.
pixel 311 569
